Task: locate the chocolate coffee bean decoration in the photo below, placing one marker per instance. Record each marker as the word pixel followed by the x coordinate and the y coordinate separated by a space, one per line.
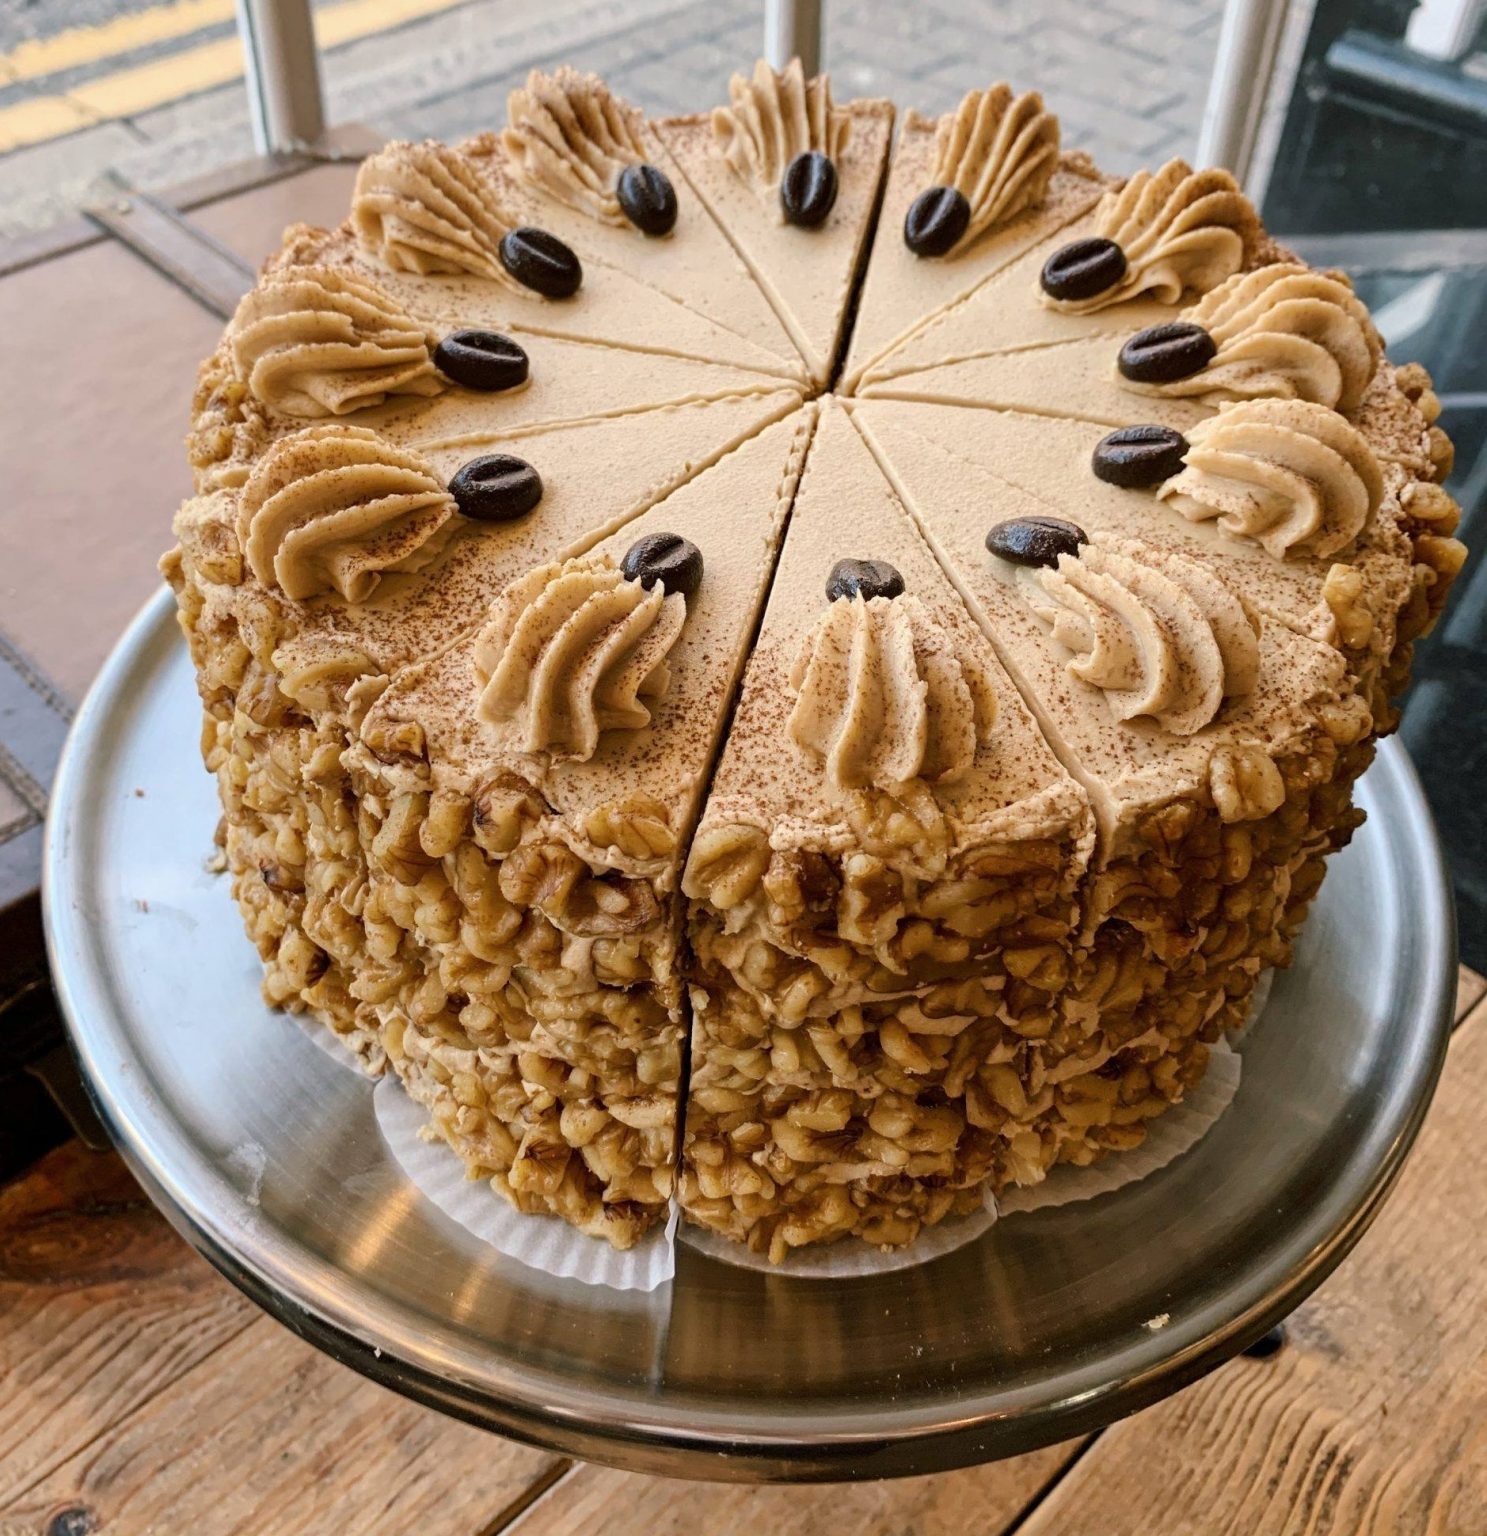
pixel 1035 540
pixel 542 262
pixel 665 557
pixel 1136 456
pixel 1162 354
pixel 647 199
pixel 808 189
pixel 1083 268
pixel 496 488
pixel 864 579
pixel 935 221
pixel 483 360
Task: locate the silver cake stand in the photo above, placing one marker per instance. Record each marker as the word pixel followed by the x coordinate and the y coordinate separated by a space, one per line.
pixel 264 1153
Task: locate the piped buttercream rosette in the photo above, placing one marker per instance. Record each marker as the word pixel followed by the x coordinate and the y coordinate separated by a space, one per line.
pixel 1163 234
pixel 570 136
pixel 882 697
pixel 312 341
pixel 1293 476
pixel 574 649
pixel 773 116
pixel 333 508
pixel 1282 331
pixel 424 208
pixel 997 151
pixel 1159 635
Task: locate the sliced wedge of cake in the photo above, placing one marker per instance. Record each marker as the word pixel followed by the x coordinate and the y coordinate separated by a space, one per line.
pixel 585 165
pixel 882 890
pixel 794 180
pixel 967 194
pixel 1218 746
pixel 525 800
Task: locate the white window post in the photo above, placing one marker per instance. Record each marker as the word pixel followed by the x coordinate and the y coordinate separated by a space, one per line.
pixel 283 74
pixel 792 29
pixel 1243 68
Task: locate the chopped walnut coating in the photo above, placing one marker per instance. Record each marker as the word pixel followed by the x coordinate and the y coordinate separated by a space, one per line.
pixel 527 997
pixel 781 1167
pixel 547 1136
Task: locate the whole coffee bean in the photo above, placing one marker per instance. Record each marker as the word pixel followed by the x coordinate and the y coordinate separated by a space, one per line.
pixel 935 221
pixel 496 488
pixel 1162 354
pixel 542 262
pixel 1035 540
pixel 483 360
pixel 1137 456
pixel 808 189
pixel 647 198
pixel 1268 1344
pixel 863 578
pixel 1083 268
pixel 665 557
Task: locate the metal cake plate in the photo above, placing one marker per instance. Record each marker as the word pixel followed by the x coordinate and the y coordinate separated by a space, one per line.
pixel 264 1153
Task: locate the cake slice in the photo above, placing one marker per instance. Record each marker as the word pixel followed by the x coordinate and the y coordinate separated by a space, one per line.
pixel 526 797
pixel 882 890
pixel 1218 746
pixel 1064 378
pixel 990 169
pixel 1158 241
pixel 780 141
pixel 1042 466
pixel 434 227
pixel 315 343
pixel 585 164
pixel 286 679
pixel 1276 331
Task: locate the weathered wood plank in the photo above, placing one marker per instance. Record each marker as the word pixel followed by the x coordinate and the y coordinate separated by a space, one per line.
pixel 101 1306
pixel 270 1438
pixel 1373 1420
pixel 594 1501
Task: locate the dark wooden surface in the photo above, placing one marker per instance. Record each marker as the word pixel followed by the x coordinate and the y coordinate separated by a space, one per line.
pixel 140 1394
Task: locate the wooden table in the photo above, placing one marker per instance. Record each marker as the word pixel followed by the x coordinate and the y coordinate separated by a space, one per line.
pixel 140 1393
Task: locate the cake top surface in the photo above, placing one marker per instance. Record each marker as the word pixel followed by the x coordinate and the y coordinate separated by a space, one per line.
pixel 432 437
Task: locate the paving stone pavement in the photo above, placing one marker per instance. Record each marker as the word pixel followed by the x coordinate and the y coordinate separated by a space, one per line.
pixel 1127 77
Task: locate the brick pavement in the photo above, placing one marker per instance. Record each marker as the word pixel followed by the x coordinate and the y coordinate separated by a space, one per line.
pixel 1127 77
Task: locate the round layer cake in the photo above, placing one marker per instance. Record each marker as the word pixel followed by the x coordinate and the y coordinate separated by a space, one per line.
pixel 807 675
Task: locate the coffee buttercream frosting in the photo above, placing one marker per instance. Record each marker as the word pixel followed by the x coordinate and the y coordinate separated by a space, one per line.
pixel 999 151
pixel 773 116
pixel 1291 475
pixel 333 508
pixel 1180 231
pixel 574 649
pixel 1282 331
pixel 1160 636
pixel 570 136
pixel 882 698
pixel 314 341
pixel 668 891
pixel 423 208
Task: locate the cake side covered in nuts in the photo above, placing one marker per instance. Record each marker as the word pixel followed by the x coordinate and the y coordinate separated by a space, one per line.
pixel 881 890
pixel 1103 576
pixel 532 868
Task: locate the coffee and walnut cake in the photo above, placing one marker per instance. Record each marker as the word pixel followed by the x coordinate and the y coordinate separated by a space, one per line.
pixel 762 667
